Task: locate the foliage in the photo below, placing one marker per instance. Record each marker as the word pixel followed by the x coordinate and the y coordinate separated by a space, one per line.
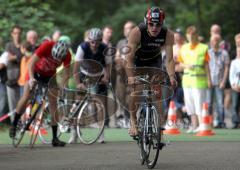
pixel 73 17
pixel 28 14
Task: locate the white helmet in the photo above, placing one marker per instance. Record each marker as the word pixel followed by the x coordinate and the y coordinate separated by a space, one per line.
pixel 60 50
pixel 95 34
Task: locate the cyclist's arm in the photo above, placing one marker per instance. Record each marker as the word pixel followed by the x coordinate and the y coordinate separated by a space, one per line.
pixel 170 65
pixel 34 59
pixel 133 41
pixel 106 71
pixel 78 58
pixel 65 76
pixel 75 72
pixel 67 65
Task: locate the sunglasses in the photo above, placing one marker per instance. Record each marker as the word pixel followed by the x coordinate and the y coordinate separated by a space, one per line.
pixel 95 42
pixel 151 24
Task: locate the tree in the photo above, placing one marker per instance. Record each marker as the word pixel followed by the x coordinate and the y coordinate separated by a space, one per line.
pixel 29 14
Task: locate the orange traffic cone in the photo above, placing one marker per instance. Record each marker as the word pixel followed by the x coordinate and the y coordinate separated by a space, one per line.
pixel 205 126
pixel 171 127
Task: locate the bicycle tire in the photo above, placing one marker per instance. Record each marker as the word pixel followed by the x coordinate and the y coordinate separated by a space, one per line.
pixel 21 127
pixel 20 131
pixel 34 132
pixel 45 131
pixel 90 121
pixel 140 125
pixel 35 125
pixel 154 139
pixel 63 126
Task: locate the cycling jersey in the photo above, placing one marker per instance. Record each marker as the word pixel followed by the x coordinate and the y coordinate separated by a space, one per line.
pixel 149 50
pixel 47 65
pixel 84 52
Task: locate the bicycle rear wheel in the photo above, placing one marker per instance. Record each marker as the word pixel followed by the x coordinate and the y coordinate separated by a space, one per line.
pixel 153 139
pixel 90 122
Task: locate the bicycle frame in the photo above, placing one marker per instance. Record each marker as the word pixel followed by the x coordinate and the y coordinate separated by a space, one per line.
pixel 39 95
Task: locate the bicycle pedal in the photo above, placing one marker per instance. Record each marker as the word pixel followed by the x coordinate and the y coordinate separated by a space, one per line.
pixel 160 146
pixel 28 129
pixel 162 128
pixel 135 138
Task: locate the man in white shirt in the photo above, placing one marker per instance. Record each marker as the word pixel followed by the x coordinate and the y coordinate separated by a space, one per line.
pixel 3 89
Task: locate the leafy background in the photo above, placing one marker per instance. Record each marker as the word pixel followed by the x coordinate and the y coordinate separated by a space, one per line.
pixel 73 17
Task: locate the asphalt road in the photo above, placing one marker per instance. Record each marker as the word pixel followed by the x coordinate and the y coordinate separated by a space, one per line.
pixel 121 156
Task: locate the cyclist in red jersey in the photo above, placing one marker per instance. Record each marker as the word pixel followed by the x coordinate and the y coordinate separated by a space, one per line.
pixel 42 67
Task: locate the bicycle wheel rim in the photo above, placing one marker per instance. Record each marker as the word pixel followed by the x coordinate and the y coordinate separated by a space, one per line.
pixel 64 126
pixel 154 138
pixel 34 132
pixel 35 125
pixel 140 138
pixel 44 133
pixel 20 131
pixel 90 122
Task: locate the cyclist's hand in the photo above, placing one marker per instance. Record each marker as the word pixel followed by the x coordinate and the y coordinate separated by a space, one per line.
pixel 81 86
pixel 131 80
pixel 32 82
pixel 104 80
pixel 173 81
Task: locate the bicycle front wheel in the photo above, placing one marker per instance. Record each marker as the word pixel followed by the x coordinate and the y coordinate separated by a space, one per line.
pixel 22 126
pixel 140 125
pixel 153 139
pixel 35 124
pixel 90 122
pixel 45 131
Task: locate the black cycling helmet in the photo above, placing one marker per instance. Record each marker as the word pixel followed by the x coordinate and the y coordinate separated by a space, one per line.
pixel 60 50
pixel 155 15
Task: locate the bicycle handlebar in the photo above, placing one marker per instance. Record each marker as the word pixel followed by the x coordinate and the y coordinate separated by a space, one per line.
pixel 143 79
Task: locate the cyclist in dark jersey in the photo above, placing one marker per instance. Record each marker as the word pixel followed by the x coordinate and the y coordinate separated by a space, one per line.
pixel 146 42
pixel 90 55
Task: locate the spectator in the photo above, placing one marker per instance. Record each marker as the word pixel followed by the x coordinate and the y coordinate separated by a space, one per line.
pixel 85 35
pixel 56 35
pixel 3 89
pixel 194 59
pixel 219 66
pixel 216 29
pixel 26 49
pixel 234 77
pixel 120 88
pixel 107 35
pixel 13 67
pixel 178 97
pixel 107 32
pixel 32 38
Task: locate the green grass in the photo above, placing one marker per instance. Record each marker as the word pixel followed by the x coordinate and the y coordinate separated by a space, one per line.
pixel 122 135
